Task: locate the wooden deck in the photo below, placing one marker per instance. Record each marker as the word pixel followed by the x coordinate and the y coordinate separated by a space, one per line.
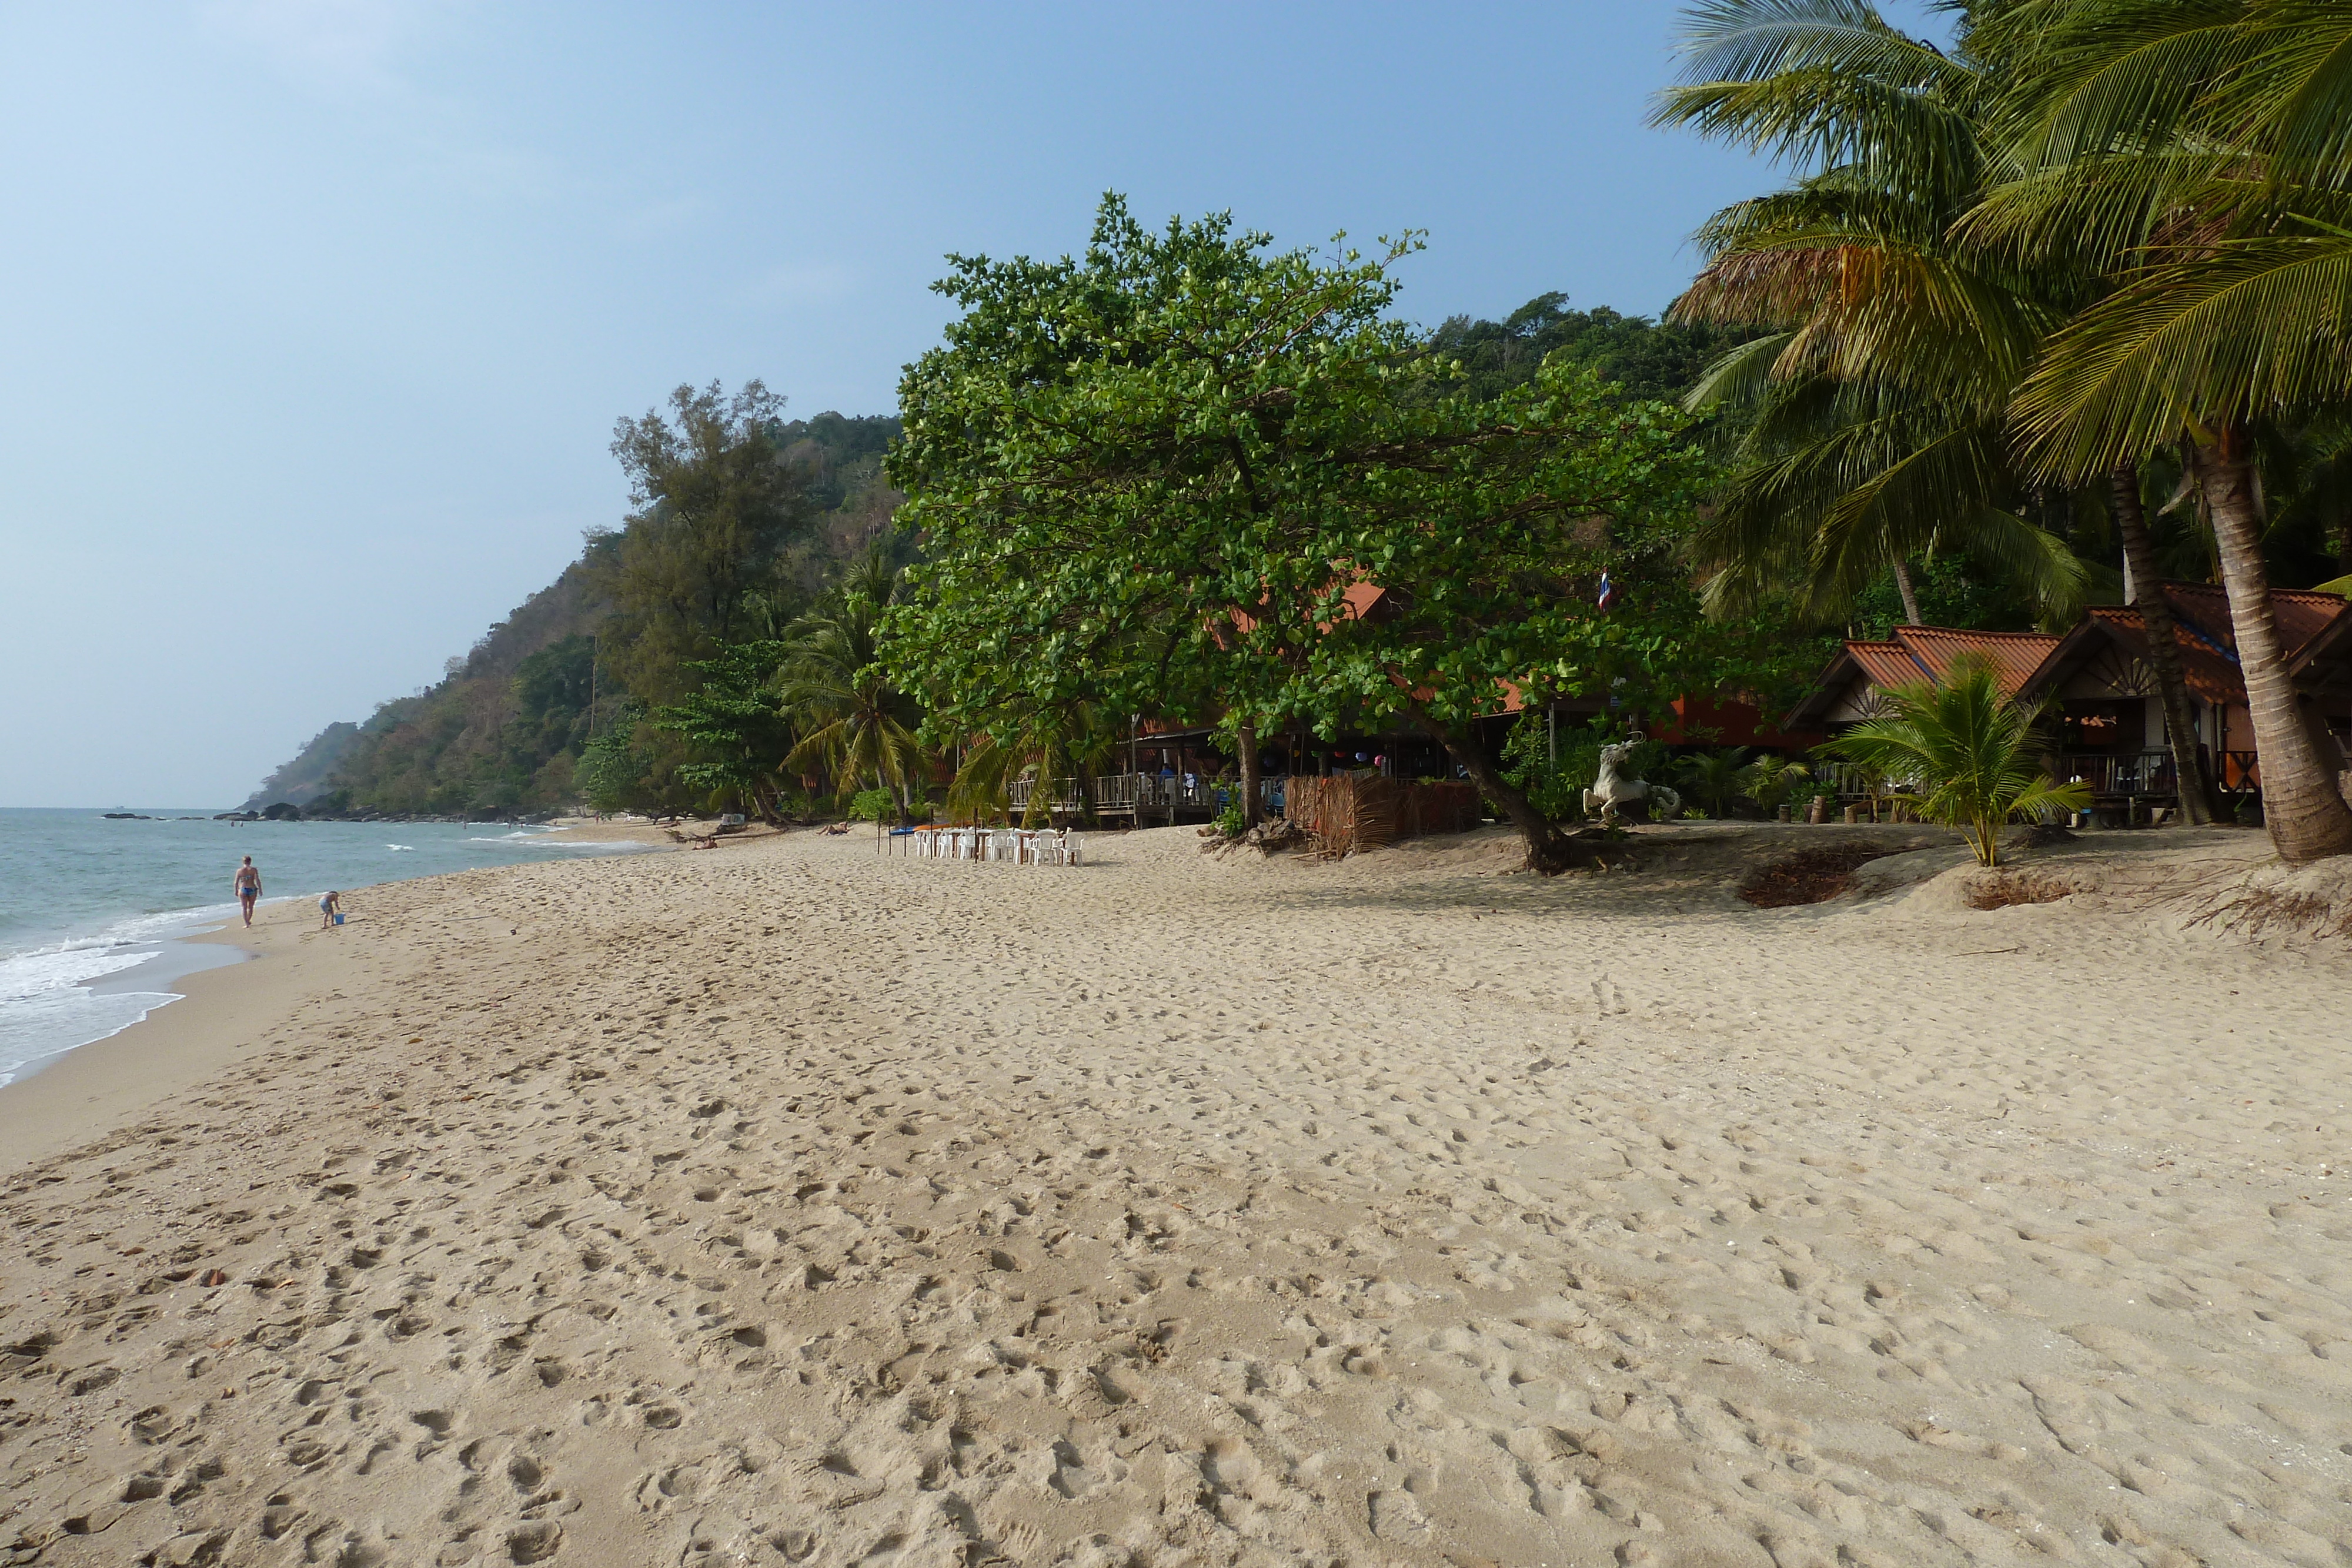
pixel 1141 799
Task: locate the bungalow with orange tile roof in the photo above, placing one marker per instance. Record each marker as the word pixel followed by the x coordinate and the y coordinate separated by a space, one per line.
pixel 2109 719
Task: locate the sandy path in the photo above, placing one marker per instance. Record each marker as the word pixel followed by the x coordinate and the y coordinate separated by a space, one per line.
pixel 782 1205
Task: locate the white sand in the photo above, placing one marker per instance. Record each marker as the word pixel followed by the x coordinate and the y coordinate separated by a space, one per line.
pixel 783 1204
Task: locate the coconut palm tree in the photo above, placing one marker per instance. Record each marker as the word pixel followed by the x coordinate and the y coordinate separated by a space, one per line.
pixel 2199 157
pixel 1771 779
pixel 852 721
pixel 1970 751
pixel 1077 741
pixel 1881 412
pixel 1877 405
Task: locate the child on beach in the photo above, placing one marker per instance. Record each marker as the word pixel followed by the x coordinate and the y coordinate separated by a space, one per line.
pixel 330 905
pixel 248 888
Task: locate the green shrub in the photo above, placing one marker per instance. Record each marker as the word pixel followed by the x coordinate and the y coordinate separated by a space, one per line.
pixel 873 806
pixel 1715 779
pixel 613 774
pixel 1230 820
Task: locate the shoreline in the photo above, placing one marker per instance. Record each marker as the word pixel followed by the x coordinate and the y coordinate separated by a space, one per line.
pixel 177 953
pixel 84 1091
pixel 787 1200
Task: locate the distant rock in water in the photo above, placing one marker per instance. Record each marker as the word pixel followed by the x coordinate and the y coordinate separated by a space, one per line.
pixel 125 817
pixel 238 817
pixel 282 811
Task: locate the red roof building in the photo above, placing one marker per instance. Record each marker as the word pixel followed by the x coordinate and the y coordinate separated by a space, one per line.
pixel 2098 677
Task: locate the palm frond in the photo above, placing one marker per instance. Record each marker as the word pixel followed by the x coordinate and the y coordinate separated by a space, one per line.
pixel 2259 328
pixel 1892 134
pixel 2102 214
pixel 2306 55
pixel 1748 39
pixel 1948 491
pixel 1737 377
pixel 2108 77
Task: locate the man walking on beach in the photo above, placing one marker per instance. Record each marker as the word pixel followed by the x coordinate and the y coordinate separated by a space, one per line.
pixel 248 888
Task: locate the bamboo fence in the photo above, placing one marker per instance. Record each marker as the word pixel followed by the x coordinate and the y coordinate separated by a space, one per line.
pixel 1349 813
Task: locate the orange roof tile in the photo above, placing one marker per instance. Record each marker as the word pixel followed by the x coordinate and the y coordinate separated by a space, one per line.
pixel 2312 625
pixel 2013 656
pixel 1887 665
pixel 2302 614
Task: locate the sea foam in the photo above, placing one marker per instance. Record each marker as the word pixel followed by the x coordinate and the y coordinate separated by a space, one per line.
pixel 44 995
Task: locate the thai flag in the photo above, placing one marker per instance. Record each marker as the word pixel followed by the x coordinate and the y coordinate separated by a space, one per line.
pixel 1608 591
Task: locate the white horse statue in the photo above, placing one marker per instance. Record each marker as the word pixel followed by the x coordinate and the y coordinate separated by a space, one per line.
pixel 1613 788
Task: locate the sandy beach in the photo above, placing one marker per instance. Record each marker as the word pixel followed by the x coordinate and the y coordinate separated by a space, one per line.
pixel 783 1204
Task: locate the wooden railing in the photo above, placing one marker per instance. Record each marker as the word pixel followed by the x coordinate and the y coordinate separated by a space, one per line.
pixel 1137 795
pixel 1847 781
pixel 2110 774
pixel 2113 773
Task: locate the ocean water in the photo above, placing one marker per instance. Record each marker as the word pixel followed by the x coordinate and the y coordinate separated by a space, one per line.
pixel 90 908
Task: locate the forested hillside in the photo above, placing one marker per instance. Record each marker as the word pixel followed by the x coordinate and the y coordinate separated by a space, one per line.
pixel 504 728
pixel 310 775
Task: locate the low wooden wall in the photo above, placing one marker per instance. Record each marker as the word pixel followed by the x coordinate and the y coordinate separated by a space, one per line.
pixel 1352 812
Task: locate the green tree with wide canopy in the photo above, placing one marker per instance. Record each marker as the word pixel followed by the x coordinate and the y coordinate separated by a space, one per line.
pixel 1189 473
pixel 735 727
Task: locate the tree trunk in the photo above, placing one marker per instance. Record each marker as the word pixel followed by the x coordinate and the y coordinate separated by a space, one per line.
pixel 1548 850
pixel 1910 599
pixel 2302 805
pixel 2197 803
pixel 2344 542
pixel 1245 739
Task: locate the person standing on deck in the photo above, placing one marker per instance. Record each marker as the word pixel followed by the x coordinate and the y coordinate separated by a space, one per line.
pixel 248 888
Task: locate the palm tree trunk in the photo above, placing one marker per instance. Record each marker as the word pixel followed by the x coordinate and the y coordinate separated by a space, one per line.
pixel 1910 597
pixel 1245 738
pixel 2196 790
pixel 2301 804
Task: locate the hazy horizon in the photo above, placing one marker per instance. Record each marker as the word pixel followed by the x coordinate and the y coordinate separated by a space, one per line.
pixel 326 307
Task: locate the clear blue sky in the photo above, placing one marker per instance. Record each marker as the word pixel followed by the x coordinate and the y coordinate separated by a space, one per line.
pixel 319 312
